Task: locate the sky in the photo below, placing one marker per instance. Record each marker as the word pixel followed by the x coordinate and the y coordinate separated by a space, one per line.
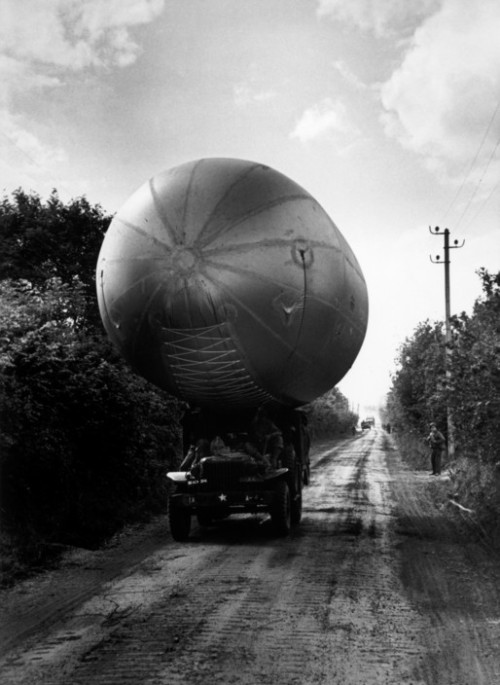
pixel 386 111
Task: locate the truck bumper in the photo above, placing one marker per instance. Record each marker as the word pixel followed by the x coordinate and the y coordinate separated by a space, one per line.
pixel 233 501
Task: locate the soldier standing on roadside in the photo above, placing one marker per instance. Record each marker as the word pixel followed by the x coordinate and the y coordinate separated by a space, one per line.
pixel 437 444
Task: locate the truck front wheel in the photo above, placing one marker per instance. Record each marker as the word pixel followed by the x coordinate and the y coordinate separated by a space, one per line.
pixel 296 506
pixel 295 485
pixel 180 523
pixel 204 518
pixel 306 474
pixel 281 509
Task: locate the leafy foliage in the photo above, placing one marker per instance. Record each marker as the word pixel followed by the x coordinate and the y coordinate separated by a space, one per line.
pixel 330 415
pixel 475 392
pixel 42 240
pixel 84 442
pixel 418 386
pixel 420 393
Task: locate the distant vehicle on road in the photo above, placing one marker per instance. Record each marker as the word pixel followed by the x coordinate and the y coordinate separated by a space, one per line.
pixel 368 423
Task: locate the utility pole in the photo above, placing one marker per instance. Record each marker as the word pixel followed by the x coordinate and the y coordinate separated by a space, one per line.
pixel 447 356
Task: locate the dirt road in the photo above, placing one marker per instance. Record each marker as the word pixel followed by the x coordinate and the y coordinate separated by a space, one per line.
pixel 376 587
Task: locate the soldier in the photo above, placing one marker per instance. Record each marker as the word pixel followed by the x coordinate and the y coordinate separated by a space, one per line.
pixel 437 444
pixel 267 436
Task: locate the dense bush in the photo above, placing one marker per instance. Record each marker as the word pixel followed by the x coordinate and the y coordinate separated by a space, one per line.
pixel 475 392
pixel 420 394
pixel 84 442
pixel 417 395
pixel 42 240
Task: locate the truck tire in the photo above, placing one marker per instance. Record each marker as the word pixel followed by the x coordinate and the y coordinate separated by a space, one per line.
pixel 296 504
pixel 306 476
pixel 204 518
pixel 180 523
pixel 281 510
pixel 295 485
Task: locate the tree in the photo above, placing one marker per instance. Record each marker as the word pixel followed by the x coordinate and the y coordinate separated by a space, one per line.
pixel 330 415
pixel 45 240
pixel 476 374
pixel 40 241
pixel 84 441
pixel 417 395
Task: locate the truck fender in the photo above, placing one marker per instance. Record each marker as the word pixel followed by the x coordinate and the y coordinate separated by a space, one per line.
pixel 177 476
pixel 275 474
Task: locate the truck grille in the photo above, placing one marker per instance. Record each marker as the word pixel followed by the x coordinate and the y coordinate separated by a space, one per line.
pixel 225 474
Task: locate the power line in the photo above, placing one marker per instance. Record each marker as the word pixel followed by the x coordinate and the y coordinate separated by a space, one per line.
pixel 19 148
pixel 474 193
pixel 472 164
pixel 482 205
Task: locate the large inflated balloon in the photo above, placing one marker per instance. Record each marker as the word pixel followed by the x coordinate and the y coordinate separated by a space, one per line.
pixel 227 284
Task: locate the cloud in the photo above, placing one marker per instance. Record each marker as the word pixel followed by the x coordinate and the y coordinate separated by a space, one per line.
pixel 25 143
pixel 43 41
pixel 73 34
pixel 380 17
pixel 349 76
pixel 247 94
pixel 19 76
pixel 326 119
pixel 441 100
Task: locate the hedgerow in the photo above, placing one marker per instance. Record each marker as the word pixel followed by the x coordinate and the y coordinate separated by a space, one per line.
pixel 84 442
pixel 421 393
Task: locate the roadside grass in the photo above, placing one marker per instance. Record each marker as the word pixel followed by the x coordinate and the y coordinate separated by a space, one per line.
pixel 468 494
pixel 23 558
pixel 26 554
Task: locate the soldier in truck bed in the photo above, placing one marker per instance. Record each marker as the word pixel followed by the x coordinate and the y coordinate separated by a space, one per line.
pixel 267 437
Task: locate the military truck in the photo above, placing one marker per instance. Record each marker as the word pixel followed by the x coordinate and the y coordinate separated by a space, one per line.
pixel 249 462
pixel 225 283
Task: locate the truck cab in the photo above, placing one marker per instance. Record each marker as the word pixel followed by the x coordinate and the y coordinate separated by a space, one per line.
pixel 252 461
